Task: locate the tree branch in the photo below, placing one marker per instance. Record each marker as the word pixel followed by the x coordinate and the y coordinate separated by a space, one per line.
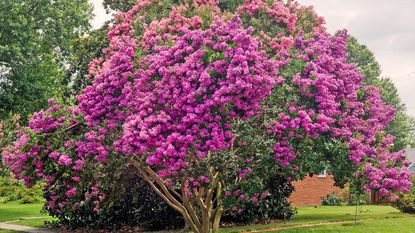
pixel 148 180
pixel 150 177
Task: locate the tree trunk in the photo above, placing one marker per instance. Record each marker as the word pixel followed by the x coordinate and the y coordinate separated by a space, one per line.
pixel 201 211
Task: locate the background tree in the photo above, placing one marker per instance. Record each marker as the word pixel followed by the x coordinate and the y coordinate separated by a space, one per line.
pixel 364 59
pixel 118 5
pixel 85 50
pixel 402 125
pixel 35 39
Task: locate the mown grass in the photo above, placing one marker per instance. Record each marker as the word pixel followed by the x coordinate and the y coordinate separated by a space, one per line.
pixel 391 225
pixel 329 214
pixel 38 222
pixel 22 214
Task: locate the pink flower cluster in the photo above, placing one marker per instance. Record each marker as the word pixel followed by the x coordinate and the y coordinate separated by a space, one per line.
pixel 111 88
pixel 206 2
pixel 166 30
pixel 277 10
pixel 183 103
pixel 240 197
pixel 45 151
pixel 307 19
pixel 330 85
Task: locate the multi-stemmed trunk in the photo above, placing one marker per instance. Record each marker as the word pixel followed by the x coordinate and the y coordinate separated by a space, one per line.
pixel 201 211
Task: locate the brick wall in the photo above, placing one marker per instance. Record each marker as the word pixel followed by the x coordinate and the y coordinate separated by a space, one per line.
pixel 312 190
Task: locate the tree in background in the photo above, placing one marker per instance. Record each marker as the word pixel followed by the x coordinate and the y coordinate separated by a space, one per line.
pixel 35 40
pixel 85 50
pixel 402 125
pixel 364 59
pixel 118 5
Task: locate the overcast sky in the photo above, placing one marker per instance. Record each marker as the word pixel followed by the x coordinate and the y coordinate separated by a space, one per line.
pixel 387 27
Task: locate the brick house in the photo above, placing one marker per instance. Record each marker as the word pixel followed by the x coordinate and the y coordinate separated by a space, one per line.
pixel 312 190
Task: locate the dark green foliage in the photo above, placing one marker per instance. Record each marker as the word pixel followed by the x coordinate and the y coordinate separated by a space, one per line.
pixel 138 205
pixel 406 203
pixel 403 125
pixel 340 166
pixel 274 207
pixel 230 6
pixel 129 201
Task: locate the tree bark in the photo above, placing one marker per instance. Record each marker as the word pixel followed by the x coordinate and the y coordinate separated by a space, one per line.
pixel 201 211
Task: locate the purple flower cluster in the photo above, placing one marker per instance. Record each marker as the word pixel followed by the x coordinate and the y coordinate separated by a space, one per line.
pixel 277 10
pixel 45 151
pixel 183 103
pixel 331 85
pixel 109 93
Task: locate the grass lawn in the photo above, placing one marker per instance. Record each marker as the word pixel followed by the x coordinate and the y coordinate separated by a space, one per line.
pixel 38 222
pixel 372 219
pixel 328 214
pixel 396 225
pixel 23 214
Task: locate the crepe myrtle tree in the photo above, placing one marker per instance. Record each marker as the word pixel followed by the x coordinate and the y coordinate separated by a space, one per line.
pixel 183 106
pixel 208 99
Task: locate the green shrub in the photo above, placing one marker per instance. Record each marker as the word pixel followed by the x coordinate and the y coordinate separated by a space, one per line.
pixel 333 200
pixel 275 207
pixel 129 202
pixel 406 202
pixel 12 190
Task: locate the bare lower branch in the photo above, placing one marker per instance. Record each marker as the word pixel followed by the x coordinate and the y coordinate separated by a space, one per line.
pixel 150 177
pixel 158 191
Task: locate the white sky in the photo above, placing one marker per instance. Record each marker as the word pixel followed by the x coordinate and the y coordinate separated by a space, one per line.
pixel 386 27
pixel 100 15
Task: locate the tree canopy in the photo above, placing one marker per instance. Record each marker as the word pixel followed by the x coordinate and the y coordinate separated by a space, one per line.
pixel 35 39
